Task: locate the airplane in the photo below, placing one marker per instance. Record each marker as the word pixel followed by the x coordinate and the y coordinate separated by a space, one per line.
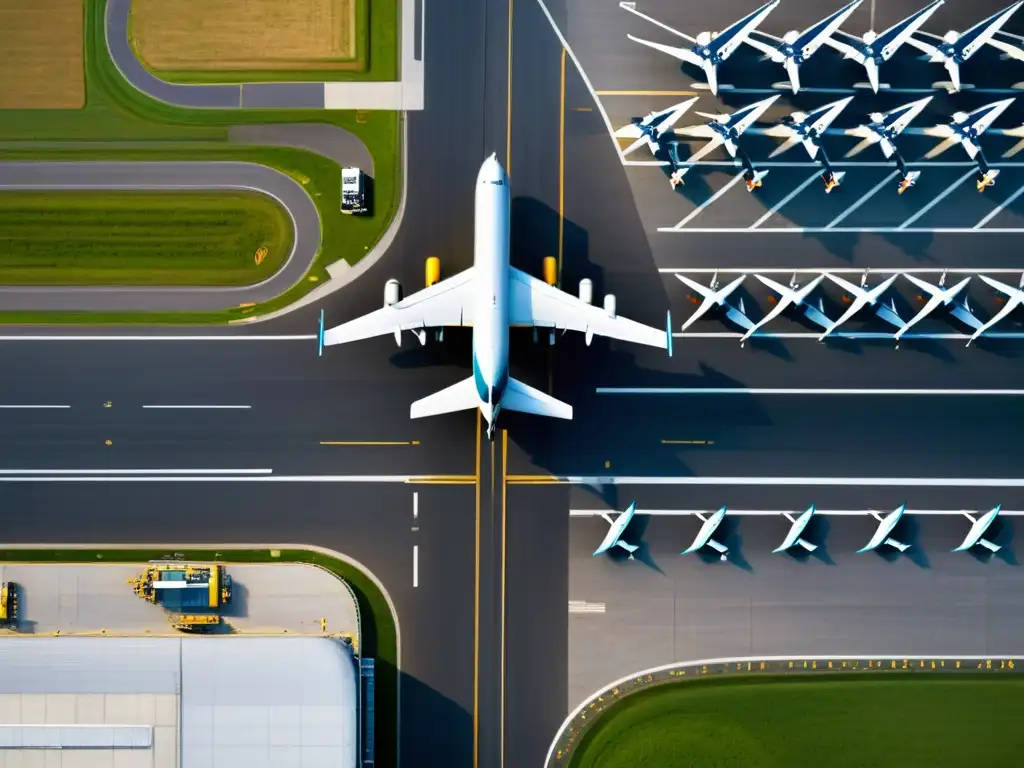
pixel 1014 299
pixel 715 297
pixel 883 130
pixel 795 535
pixel 885 527
pixel 794 296
pixel 794 48
pixel 707 530
pixel 651 128
pixel 710 49
pixel 492 296
pixel 940 296
pixel 617 526
pixel 954 48
pixel 965 130
pixel 874 49
pixel 723 130
pixel 807 129
pixel 865 297
pixel 979 527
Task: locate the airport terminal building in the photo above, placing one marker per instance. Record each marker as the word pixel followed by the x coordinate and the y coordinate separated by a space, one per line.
pixel 164 702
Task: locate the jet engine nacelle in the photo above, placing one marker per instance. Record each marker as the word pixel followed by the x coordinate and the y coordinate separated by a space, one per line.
pixel 586 291
pixel 609 305
pixel 392 292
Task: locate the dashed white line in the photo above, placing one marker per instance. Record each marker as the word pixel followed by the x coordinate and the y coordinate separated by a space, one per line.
pixel 415 505
pixel 938 199
pixel 867 196
pixel 415 565
pixel 784 200
pixel 697 211
pixel 582 606
pixel 995 212
pixel 132 472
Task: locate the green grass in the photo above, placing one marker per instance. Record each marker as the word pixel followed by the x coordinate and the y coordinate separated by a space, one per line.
pixel 378 632
pixel 867 719
pixel 140 238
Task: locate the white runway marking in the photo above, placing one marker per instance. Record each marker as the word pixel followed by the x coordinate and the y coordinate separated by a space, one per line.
pixel 32 407
pixel 936 200
pixel 137 337
pixel 208 476
pixel 780 512
pixel 697 211
pixel 1005 204
pixel 415 505
pixel 105 473
pixel 582 606
pixel 867 196
pixel 784 200
pixel 198 407
pixel 806 392
pixel 415 565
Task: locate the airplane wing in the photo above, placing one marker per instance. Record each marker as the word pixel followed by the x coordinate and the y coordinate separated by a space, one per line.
pixel 448 302
pixel 698 132
pixel 813 37
pixel 845 48
pixel 755 111
pixel 732 37
pixel 1010 50
pixel 931 290
pixel 829 113
pixel 683 54
pixel 895 36
pixel 537 304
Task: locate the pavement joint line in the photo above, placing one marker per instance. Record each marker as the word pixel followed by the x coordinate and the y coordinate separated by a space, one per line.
pixel 707 203
pixel 937 199
pixel 730 512
pixel 863 199
pixel 845 230
pixel 775 208
pixel 806 392
pixel 999 208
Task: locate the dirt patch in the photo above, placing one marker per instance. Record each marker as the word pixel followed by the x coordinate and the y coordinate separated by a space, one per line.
pixel 41 54
pixel 257 35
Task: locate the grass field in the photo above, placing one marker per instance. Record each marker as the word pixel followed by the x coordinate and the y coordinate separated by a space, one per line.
pixel 141 238
pixel 41 54
pixel 865 719
pixel 247 35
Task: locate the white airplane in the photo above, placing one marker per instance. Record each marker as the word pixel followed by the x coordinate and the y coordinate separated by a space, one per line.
pixel 862 296
pixel 940 296
pixel 793 296
pixel 723 130
pixel 708 49
pixel 954 48
pixel 491 296
pixel 614 536
pixel 796 532
pixel 873 49
pixel 649 130
pixel 807 128
pixel 1014 299
pixel 979 527
pixel 707 530
pixel 965 130
pixel 714 297
pixel 885 527
pixel 794 48
pixel 883 130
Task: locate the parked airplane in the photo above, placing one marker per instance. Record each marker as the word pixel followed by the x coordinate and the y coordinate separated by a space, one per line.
pixel 807 128
pixel 863 296
pixel 707 530
pixel 1014 299
pixel 885 528
pixel 796 532
pixel 491 296
pixel 979 527
pixel 614 536
pixel 940 296
pixel 723 130
pixel 883 130
pixel 954 48
pixel 713 297
pixel 965 130
pixel 649 130
pixel 873 49
pixel 793 296
pixel 709 49
pixel 794 48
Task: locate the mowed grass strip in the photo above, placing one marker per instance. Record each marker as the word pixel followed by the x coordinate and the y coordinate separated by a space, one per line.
pixel 247 35
pixel 864 719
pixel 41 54
pixel 141 238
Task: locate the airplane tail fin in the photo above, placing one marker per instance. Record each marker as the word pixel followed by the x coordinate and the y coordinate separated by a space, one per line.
pixel 458 397
pixel 525 399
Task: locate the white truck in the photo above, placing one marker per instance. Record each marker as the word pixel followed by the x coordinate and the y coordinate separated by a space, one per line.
pixel 353 191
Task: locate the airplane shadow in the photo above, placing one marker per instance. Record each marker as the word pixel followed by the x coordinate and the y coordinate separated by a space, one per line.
pixel 816 533
pixel 1000 533
pixel 908 531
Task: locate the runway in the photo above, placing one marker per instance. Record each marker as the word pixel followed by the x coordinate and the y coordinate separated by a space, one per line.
pixel 168 176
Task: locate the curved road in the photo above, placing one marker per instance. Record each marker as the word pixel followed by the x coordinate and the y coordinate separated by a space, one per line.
pixel 204 176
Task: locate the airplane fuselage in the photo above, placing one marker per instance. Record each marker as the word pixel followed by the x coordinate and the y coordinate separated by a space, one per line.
pixel 491 241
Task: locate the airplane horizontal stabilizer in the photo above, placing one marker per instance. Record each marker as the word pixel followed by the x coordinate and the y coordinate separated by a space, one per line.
pixel 457 397
pixel 525 399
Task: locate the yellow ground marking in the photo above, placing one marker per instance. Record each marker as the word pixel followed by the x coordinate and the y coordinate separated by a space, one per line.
pixel 504 496
pixel 582 109
pixel 533 480
pixel 261 254
pixel 369 442
pixel 687 442
pixel 108 404
pixel 646 93
pixel 108 442
pixel 476 604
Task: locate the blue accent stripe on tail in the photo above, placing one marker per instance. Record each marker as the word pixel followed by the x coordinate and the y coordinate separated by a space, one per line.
pixel 668 330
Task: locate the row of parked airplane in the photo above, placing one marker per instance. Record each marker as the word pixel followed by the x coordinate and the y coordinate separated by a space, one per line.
pixel 710 49
pixel 796 536
pixel 658 131
pixel 716 298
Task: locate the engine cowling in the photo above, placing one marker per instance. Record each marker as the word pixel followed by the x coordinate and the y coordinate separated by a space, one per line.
pixel 432 270
pixel 392 292
pixel 609 305
pixel 587 290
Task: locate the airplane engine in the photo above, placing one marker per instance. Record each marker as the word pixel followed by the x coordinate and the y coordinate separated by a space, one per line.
pixel 432 270
pixel 550 270
pixel 609 305
pixel 392 292
pixel 587 290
